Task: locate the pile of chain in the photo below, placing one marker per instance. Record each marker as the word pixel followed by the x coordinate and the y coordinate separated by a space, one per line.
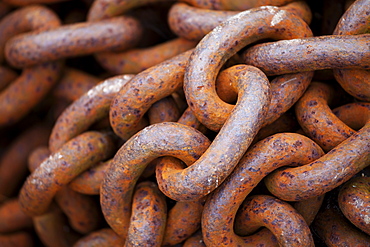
pixel 184 123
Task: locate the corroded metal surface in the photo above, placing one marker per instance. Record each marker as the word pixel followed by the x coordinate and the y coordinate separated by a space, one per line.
pixel 354 201
pixel 324 174
pixel 356 20
pixel 61 167
pixel 194 23
pixel 233 139
pixel 137 60
pixel 335 230
pixel 133 100
pixel 160 140
pixel 104 9
pixel 89 108
pixel 270 212
pixel 148 216
pixel 73 84
pixel 267 155
pixel 105 237
pixel 315 53
pixel 185 150
pixel 316 118
pixel 89 181
pixel 235 5
pixel 38 47
pixel 222 43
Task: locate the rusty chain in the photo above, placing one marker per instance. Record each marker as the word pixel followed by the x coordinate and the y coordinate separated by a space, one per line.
pixel 184 123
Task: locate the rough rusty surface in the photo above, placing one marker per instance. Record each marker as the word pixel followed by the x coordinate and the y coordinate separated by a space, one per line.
pixel 53 230
pixel 12 217
pixel 285 92
pixel 194 23
pixel 227 148
pixel 309 208
pixel 355 82
pixel 89 181
pixel 300 8
pixel 83 211
pixel 77 207
pixel 161 139
pixel 188 118
pixel 267 155
pixel 137 60
pixel 61 167
pixel 272 213
pixel 164 110
pixel 316 118
pixel 94 105
pixel 33 84
pixel 182 221
pixel 196 240
pixel 13 162
pixel 333 228
pixel 184 217
pixel 355 115
pixel 324 174
pixel 224 85
pixel 104 9
pixel 17 239
pixel 148 217
pixel 73 84
pixel 27 91
pixel 26 19
pixel 222 43
pixel 190 169
pixel 309 54
pixel 235 5
pixel 354 202
pixel 104 237
pixel 84 38
pixel 356 20
pixel 136 97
